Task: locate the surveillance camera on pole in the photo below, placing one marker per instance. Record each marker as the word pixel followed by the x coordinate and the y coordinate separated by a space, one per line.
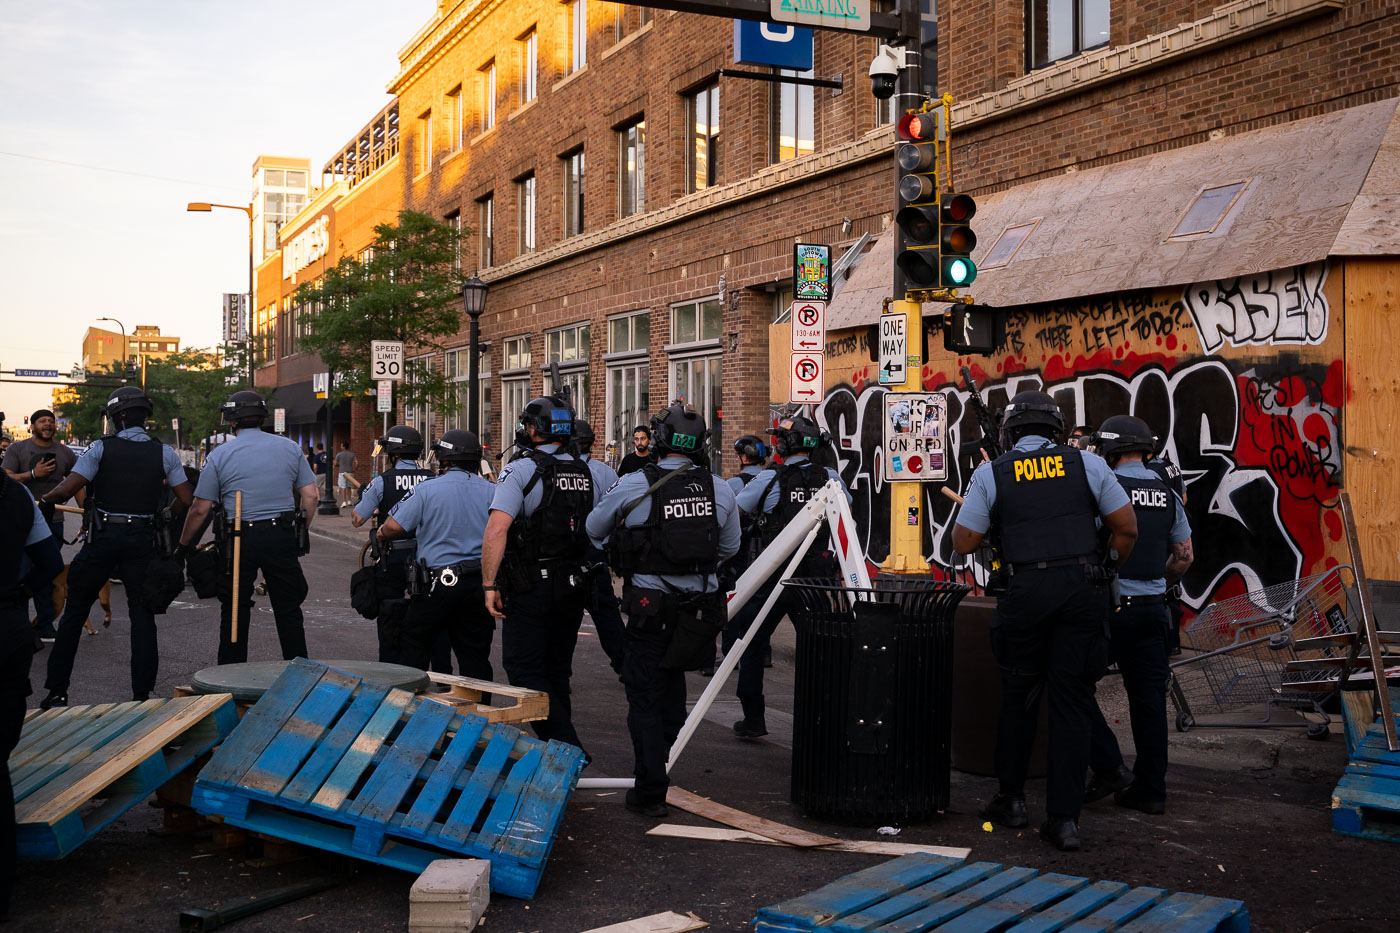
pixel 884 71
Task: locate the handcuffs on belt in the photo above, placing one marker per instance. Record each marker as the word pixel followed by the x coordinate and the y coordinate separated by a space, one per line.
pixel 447 577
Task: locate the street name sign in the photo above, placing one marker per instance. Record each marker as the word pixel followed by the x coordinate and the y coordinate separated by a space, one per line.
pixel 37 373
pixel 894 348
pixel 386 359
pixel 808 326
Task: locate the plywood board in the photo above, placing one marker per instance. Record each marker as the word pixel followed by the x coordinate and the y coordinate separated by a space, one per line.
pixel 700 806
pixel 860 846
pixel 669 922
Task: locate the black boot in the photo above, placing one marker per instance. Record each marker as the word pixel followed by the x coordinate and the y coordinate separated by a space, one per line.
pixel 1007 809
pixel 1110 782
pixel 1061 832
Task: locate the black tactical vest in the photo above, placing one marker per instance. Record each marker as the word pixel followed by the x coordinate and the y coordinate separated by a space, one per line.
pixel 555 531
pixel 1168 473
pixel 1044 508
pixel 16 521
pixel 397 483
pixel 797 482
pixel 681 532
pixel 1155 506
pixel 130 477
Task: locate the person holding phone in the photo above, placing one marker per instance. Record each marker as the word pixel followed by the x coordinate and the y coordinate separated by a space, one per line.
pixel 41 462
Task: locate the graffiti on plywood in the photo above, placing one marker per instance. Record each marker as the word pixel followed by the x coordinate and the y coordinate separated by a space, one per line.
pixel 1286 306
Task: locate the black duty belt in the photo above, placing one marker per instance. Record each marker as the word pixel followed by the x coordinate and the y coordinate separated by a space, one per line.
pixel 1049 564
pixel 449 575
pixel 1153 599
pixel 109 519
pixel 278 521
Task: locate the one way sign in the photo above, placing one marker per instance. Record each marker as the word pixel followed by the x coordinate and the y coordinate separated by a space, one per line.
pixel 808 326
pixel 894 348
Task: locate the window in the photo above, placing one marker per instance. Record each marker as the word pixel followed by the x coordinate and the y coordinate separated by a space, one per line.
pixel 525 212
pixel 515 381
pixel 695 321
pixel 529 65
pixel 631 169
pixel 573 193
pixel 454 116
pixel 928 44
pixel 418 416
pixel 630 333
pixel 623 14
pixel 793 108
pixel 884 111
pixel 695 380
pixel 454 220
pixel 702 154
pixel 516 354
pixel 628 397
pixel 486 231
pixel 1209 208
pixel 567 344
pixel 1010 240
pixel 274 177
pixel 425 141
pixel 578 35
pixel 488 95
pixel 457 370
pixel 296 178
pixel 1057 29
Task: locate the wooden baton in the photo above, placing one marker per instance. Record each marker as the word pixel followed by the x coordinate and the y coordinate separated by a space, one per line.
pixel 952 495
pixel 237 557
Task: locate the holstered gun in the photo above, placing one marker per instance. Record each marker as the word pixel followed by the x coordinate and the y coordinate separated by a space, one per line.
pixel 418 578
pixel 223 536
pixel 93 522
pixel 303 532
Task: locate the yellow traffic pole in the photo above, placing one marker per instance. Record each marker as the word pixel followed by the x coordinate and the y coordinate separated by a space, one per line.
pixel 907 498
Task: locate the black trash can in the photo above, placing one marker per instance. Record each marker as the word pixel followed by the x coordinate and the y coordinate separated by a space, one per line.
pixel 872 724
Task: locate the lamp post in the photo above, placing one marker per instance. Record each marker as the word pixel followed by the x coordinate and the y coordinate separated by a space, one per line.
pixel 125 348
pixel 206 206
pixel 327 505
pixel 474 301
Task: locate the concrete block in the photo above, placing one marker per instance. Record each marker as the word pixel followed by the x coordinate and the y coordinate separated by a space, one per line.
pixel 451 894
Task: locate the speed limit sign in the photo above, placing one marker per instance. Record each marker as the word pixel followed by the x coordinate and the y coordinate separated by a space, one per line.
pixel 386 359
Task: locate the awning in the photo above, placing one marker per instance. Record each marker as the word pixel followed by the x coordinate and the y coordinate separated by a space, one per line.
pixel 1313 188
pixel 302 405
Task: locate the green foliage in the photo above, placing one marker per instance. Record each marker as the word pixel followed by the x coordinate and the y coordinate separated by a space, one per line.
pixel 408 289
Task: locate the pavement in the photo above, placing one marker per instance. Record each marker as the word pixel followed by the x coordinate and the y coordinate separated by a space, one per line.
pixel 1248 815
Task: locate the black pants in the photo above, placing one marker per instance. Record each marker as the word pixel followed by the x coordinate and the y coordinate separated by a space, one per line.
pixel 607 616
pixel 1138 642
pixel 116 551
pixel 1048 636
pixel 393 609
pixel 44 613
pixel 16 652
pixel 655 703
pixel 750 687
pixel 273 550
pixel 537 648
pixel 457 613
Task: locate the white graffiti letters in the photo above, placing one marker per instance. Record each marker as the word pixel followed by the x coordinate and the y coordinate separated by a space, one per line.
pixel 1286 306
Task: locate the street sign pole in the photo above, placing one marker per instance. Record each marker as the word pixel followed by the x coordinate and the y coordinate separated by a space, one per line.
pixel 906 498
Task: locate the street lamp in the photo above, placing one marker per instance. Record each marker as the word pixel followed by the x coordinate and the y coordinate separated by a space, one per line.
pixel 125 348
pixel 206 206
pixel 474 301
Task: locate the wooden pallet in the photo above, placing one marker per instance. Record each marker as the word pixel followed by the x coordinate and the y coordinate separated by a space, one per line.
pixel 922 892
pixel 69 759
pixel 464 695
pixel 329 761
pixel 1366 801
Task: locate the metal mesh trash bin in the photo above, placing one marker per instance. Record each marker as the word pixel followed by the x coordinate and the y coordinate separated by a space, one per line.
pixel 872 726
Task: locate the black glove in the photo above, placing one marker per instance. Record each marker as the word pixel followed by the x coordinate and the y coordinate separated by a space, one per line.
pixel 179 552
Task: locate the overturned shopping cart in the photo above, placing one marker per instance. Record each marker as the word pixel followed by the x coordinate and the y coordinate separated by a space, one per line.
pixel 1269 650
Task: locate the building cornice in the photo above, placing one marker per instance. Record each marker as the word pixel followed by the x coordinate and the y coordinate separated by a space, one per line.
pixel 435 40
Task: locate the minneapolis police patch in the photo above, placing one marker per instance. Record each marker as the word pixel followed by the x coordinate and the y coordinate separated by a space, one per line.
pixel 1047 466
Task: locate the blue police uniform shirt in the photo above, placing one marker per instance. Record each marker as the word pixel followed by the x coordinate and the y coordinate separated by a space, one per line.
pixel 40 529
pixel 90 462
pixel 510 495
pixel 738 485
pixel 447 515
pixel 976 512
pixel 374 490
pixel 603 520
pixel 767 480
pixel 1181 531
pixel 268 469
pixel 604 476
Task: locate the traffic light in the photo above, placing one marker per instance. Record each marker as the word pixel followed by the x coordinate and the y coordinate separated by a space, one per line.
pixel 917 217
pixel 956 241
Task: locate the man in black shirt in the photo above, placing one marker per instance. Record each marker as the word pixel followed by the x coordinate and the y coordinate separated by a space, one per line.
pixel 40 463
pixel 641 440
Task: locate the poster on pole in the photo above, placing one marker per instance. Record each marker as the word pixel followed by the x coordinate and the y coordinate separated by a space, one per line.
pixel 279 420
pixel 385 396
pixel 916 437
pixel 811 272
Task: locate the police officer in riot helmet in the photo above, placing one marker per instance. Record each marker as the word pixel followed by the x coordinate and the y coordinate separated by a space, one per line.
pixel 279 496
pixel 533 557
pixel 601 603
pixel 752 455
pixel 127 473
pixel 403 446
pixel 447 516
pixel 1138 628
pixel 1160 463
pixel 669 526
pixel 1040 502
pixel 769 501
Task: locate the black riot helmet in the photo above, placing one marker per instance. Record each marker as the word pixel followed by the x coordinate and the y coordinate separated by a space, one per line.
pixel 1123 434
pixel 458 448
pixel 583 435
pixel 1032 413
pixel 752 448
pixel 402 443
pixel 548 415
pixel 128 406
pixel 245 406
pixel 680 430
pixel 796 434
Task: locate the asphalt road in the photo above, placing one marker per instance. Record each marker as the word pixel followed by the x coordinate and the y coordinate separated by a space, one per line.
pixel 1248 817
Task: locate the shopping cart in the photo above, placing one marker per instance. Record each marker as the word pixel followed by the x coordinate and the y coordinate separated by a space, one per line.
pixel 1242 654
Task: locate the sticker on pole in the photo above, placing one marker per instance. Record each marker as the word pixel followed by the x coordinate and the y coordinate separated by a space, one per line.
pixel 806 372
pixel 386 359
pixel 385 396
pixel 808 326
pixel 916 436
pixel 894 348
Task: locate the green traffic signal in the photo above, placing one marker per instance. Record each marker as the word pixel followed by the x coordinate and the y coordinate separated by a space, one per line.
pixel 956 241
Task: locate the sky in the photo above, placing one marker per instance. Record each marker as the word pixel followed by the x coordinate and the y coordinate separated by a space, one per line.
pixel 114 114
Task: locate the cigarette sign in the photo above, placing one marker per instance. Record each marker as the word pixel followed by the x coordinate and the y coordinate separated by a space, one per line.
pixel 808 326
pixel 806 382
pixel 916 435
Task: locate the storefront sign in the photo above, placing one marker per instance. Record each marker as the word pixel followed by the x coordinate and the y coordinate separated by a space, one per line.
pixel 782 46
pixel 811 272
pixel 307 246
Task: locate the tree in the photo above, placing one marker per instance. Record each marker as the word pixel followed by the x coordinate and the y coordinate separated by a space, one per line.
pixel 408 288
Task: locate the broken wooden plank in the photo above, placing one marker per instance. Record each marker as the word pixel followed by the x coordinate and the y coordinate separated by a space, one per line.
pixel 668 922
pixel 859 846
pixel 701 806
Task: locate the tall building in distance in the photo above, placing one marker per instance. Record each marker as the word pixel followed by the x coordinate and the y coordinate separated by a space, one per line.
pixel 102 347
pixel 281 188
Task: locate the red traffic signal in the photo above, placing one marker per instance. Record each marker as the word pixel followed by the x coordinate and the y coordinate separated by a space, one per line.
pixel 918 127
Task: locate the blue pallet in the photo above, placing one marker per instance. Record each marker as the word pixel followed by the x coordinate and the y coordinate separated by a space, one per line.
pixel 921 893
pixel 355 767
pixel 115 753
pixel 1366 801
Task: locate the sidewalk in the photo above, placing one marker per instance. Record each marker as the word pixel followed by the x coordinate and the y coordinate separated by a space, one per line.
pixel 337 528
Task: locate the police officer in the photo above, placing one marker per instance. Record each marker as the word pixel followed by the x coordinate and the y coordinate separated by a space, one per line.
pixel 276 482
pixel 770 500
pixel 126 474
pixel 1138 628
pixel 1040 500
pixel 403 446
pixel 447 516
pixel 752 456
pixel 601 600
pixel 674 522
pixel 532 559
pixel 1168 472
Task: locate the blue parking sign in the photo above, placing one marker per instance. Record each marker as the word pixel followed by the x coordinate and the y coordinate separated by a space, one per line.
pixel 781 45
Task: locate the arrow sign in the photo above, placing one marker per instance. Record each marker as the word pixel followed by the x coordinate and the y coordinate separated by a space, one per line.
pixel 808 326
pixel 894 348
pixel 805 384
